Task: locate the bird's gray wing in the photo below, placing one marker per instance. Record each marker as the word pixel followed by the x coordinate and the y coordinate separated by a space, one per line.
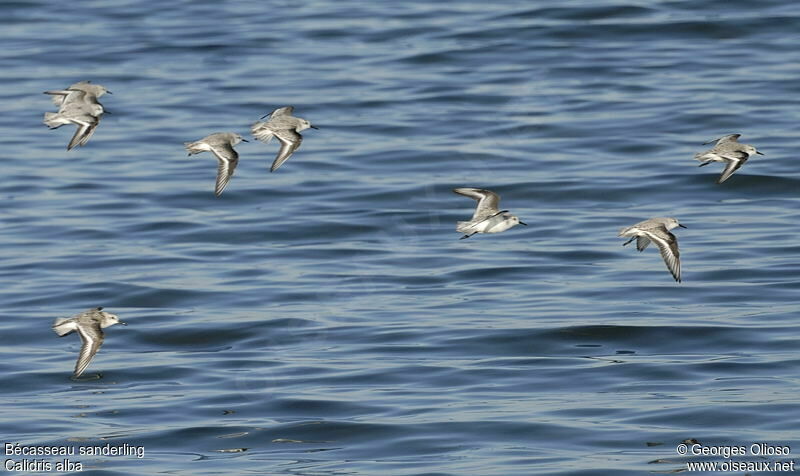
pixel 290 140
pixel 75 99
pixel 58 97
pixel 61 96
pixel 488 201
pixel 89 132
pixel 723 139
pixel 91 340
pixel 733 162
pixel 227 159
pixel 641 242
pixel 58 92
pixel 668 245
pixel 282 111
pixel 86 127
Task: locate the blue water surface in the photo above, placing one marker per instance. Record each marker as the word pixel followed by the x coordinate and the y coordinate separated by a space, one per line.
pixel 325 319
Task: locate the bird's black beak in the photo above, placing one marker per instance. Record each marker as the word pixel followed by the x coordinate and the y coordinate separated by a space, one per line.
pixel 265 115
pixel 109 92
pixel 682 226
pixel 123 323
pixel 523 223
pixel 245 140
pixel 313 127
pixel 759 153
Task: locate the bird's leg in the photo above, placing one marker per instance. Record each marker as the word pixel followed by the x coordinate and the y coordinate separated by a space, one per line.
pixel 628 242
pixel 466 236
pixel 704 163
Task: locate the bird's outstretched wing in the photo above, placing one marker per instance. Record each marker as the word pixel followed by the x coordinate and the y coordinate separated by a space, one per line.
pixel 723 139
pixel 488 201
pixel 227 159
pixel 290 141
pixel 733 162
pixel 92 339
pixel 668 245
pixel 281 111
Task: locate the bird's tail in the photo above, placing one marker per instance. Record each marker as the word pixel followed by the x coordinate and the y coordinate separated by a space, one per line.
pixel 262 133
pixel 463 226
pixel 53 120
pixel 61 329
pixel 191 147
pixel 702 157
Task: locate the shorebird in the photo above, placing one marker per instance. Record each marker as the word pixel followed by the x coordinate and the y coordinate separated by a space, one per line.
pixel 286 128
pixel 727 149
pixel 78 105
pixel 657 231
pixel 487 217
pixel 87 87
pixel 89 325
pixel 221 145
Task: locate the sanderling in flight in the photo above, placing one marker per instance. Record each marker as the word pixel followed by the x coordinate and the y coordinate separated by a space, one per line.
pixel 221 145
pixel 657 231
pixel 78 105
pixel 95 90
pixel 487 217
pixel 727 149
pixel 89 325
pixel 286 128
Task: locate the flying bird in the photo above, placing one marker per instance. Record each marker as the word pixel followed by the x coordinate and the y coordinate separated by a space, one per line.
pixel 221 145
pixel 487 217
pixel 89 325
pixel 78 105
pixel 286 128
pixel 656 230
pixel 728 150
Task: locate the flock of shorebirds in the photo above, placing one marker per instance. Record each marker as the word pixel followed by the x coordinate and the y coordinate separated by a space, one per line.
pixel 79 105
pixel 488 217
